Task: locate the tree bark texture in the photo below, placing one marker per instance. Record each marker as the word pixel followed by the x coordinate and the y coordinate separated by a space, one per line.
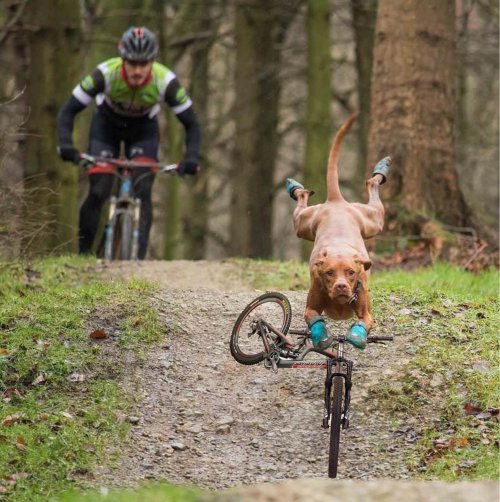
pixel 318 115
pixel 364 15
pixel 54 42
pixel 413 107
pixel 260 27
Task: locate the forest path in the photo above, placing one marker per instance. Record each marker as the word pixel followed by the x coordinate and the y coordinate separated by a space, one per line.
pixel 208 421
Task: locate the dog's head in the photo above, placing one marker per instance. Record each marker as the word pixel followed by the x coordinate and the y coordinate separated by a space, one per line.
pixel 338 275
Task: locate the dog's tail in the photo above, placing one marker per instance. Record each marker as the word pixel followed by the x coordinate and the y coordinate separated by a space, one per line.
pixel 332 177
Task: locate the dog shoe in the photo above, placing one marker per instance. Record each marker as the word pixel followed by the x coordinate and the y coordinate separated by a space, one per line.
pixel 320 334
pixel 292 185
pixel 382 168
pixel 358 335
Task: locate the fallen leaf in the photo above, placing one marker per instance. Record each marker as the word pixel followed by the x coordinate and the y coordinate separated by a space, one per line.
pixel 136 321
pixel 442 444
pixel 14 478
pixel 77 377
pixel 38 380
pixel 3 352
pixel 20 443
pixel 98 334
pixel 435 312
pixel 11 419
pixel 458 443
pixel 471 409
pixel 67 415
pixel 13 392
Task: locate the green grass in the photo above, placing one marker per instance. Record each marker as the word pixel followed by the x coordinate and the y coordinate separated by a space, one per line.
pixel 53 428
pixel 451 319
pixel 160 492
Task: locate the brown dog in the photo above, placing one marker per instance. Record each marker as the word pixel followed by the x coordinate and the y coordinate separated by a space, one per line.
pixel 339 263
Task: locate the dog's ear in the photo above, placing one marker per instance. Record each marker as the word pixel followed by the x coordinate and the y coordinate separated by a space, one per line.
pixel 363 261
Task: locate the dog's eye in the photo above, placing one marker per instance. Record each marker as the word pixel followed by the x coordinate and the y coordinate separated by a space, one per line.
pixel 350 272
pixel 329 272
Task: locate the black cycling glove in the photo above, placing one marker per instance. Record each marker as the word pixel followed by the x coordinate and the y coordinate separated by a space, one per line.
pixel 69 153
pixel 188 166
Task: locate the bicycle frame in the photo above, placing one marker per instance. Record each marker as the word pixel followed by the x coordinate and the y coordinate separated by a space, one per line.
pixel 292 356
pixel 125 203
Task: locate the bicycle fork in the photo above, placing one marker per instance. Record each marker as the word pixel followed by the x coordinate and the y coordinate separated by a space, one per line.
pixel 108 241
pixel 338 367
pixel 135 230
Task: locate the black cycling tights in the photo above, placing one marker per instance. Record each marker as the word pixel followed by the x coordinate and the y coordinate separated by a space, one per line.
pixel 99 191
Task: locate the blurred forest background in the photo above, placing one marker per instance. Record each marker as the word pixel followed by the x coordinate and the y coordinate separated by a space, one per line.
pixel 271 81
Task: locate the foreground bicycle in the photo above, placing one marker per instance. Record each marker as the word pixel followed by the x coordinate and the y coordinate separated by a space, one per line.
pixel 262 333
pixel 121 236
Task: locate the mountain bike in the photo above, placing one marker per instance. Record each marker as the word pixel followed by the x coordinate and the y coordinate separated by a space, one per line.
pixel 262 334
pixel 121 234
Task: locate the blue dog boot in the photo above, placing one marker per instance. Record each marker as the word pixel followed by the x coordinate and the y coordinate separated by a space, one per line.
pixel 292 185
pixel 320 334
pixel 357 335
pixel 382 168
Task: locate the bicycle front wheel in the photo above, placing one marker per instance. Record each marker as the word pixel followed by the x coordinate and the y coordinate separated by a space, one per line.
pixel 335 424
pixel 126 230
pixel 246 343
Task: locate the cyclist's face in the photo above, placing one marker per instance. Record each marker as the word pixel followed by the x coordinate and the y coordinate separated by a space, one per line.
pixel 137 71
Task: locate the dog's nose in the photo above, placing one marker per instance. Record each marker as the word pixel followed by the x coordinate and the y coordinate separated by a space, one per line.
pixel 341 287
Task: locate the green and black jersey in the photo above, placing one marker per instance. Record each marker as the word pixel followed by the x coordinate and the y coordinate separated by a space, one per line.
pixel 107 84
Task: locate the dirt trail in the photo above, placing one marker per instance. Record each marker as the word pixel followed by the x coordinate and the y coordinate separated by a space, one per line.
pixel 208 421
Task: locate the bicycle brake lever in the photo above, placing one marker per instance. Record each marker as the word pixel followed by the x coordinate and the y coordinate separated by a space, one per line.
pixel 86 160
pixel 170 168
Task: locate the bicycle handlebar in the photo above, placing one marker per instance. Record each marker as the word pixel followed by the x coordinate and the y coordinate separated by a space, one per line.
pixel 86 160
pixel 342 338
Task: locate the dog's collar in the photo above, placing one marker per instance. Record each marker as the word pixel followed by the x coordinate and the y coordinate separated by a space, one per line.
pixel 354 297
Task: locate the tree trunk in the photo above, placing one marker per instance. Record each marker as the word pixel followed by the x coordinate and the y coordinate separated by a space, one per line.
pixel 413 108
pixel 318 124
pixel 53 48
pixel 195 220
pixel 260 28
pixel 364 15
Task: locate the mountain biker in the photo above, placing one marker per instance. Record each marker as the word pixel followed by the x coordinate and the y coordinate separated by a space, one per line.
pixel 128 91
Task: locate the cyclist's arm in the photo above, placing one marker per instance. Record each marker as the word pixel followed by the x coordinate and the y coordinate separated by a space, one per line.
pixel 181 104
pixel 82 95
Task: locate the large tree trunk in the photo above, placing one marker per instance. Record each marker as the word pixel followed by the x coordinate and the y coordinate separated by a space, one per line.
pixel 260 29
pixel 413 107
pixel 364 15
pixel 53 49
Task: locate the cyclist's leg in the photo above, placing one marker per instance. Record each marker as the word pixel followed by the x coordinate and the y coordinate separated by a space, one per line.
pixel 143 146
pixel 100 185
pixel 103 142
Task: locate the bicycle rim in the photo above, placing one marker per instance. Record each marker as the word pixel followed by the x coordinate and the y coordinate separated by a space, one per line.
pixel 335 425
pixel 246 343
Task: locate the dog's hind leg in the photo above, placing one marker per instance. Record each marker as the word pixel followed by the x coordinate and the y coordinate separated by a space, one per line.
pixel 373 212
pixel 303 216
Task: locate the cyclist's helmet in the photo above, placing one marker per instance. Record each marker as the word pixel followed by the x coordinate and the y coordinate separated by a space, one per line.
pixel 138 44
